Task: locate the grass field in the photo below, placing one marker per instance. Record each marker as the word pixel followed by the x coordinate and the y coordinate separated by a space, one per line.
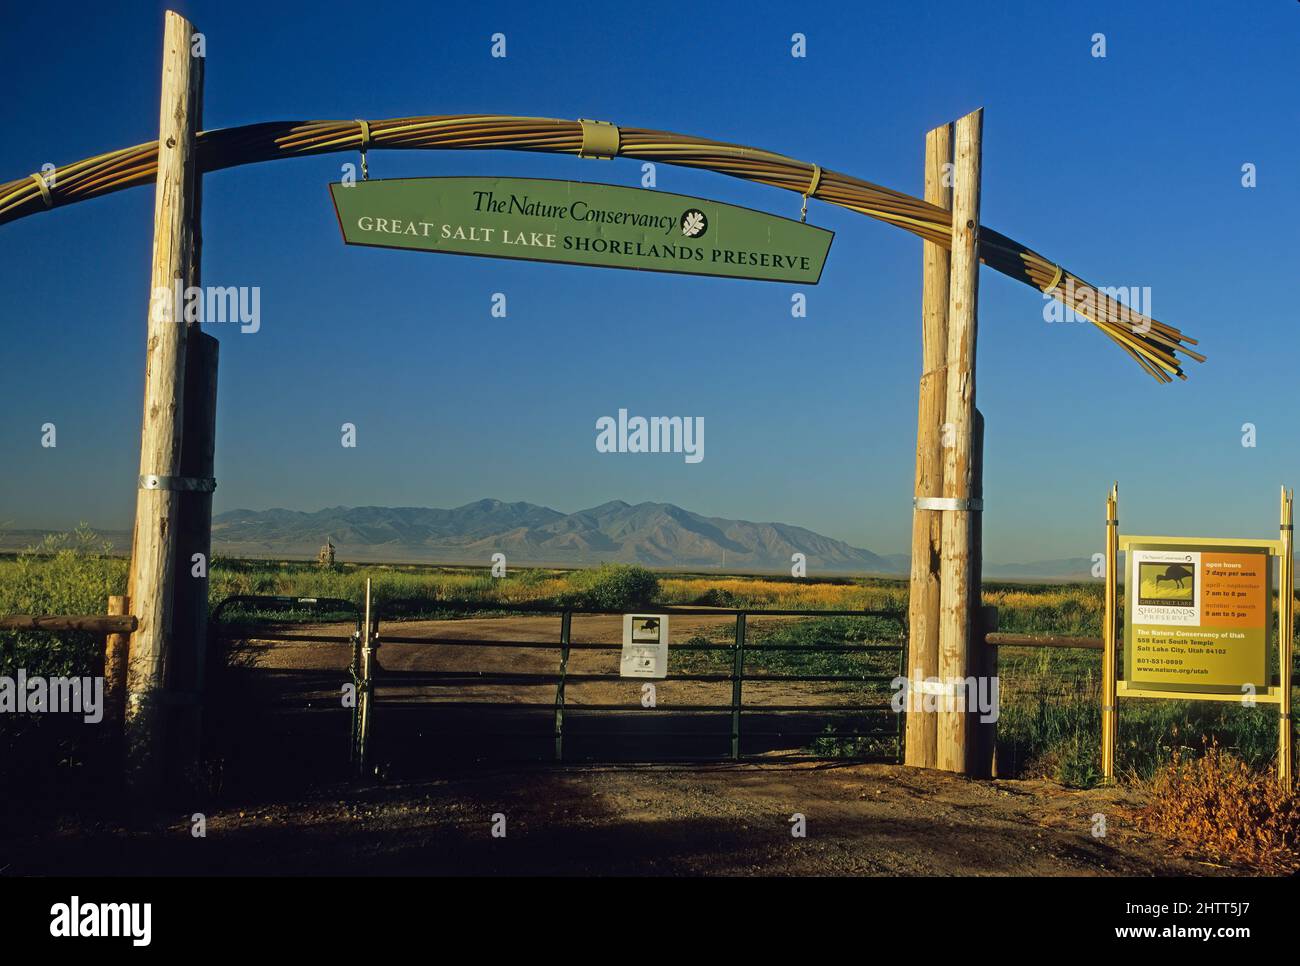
pixel 1050 717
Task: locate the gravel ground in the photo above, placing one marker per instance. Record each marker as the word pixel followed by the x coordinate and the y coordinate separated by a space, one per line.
pixel 643 820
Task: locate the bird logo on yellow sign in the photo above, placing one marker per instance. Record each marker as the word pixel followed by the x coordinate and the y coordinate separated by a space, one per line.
pixel 1169 584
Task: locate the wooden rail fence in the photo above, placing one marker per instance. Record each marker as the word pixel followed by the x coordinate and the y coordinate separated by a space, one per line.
pixel 116 626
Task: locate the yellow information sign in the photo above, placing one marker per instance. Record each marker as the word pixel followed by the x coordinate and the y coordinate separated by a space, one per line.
pixel 1198 624
pixel 1198 615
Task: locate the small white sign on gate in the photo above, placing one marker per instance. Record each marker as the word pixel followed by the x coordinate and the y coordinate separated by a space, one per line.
pixel 645 646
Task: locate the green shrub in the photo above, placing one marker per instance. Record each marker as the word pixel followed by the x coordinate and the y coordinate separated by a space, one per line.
pixel 717 597
pixel 612 587
pixel 67 573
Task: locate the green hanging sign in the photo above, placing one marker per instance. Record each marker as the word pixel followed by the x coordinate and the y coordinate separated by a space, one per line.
pixel 580 224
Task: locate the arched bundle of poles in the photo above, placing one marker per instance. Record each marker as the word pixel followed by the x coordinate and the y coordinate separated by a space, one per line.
pixel 1153 345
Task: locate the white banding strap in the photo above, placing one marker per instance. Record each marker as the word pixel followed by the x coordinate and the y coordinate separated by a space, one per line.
pixel 45 189
pixel 151 481
pixel 945 689
pixel 971 504
pixel 600 139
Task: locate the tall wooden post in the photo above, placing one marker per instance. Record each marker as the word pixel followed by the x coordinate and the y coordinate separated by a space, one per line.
pixel 188 660
pixel 956 750
pixel 1109 641
pixel 153 552
pixel 923 598
pixel 1286 639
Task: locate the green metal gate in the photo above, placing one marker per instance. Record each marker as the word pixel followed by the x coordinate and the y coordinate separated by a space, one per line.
pixel 742 685
pixel 774 692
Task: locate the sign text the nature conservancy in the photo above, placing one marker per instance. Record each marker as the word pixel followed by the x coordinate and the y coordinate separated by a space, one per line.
pixel 581 224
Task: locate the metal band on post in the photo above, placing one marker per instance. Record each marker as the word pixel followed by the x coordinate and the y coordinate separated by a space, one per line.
pixel 599 140
pixel 152 481
pixel 971 504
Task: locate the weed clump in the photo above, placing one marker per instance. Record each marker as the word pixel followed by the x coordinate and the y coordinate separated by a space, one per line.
pixel 1218 805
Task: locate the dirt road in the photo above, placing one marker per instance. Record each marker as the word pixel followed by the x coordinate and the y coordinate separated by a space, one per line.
pixel 645 820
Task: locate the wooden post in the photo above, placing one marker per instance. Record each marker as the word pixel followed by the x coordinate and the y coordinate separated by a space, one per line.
pixel 115 655
pixel 955 749
pixel 188 661
pixel 1109 643
pixel 185 672
pixel 923 597
pixel 1286 639
pixel 153 552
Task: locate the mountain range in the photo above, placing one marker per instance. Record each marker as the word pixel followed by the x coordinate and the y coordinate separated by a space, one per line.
pixel 654 534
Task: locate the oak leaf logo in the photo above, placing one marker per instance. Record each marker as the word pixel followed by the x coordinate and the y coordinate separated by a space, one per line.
pixel 693 223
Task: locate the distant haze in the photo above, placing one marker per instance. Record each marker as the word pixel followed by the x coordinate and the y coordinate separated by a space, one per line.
pixel 658 535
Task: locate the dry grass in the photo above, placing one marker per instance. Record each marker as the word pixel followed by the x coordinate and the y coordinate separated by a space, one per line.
pixel 757 592
pixel 1217 805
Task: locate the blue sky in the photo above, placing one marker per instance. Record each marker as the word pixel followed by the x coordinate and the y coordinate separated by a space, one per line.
pixel 1125 169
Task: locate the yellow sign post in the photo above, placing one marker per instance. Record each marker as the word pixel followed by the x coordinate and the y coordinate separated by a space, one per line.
pixel 1198 613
